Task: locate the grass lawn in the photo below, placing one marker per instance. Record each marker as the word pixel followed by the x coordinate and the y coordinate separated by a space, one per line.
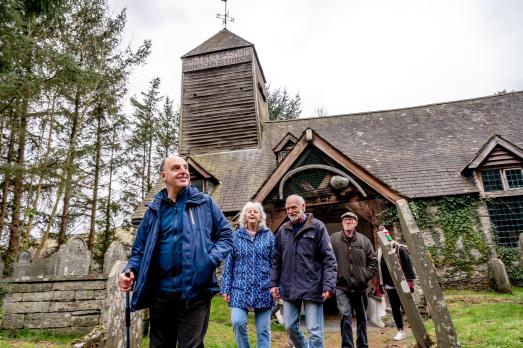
pixel 31 339
pixel 486 319
pixel 481 318
pixel 219 334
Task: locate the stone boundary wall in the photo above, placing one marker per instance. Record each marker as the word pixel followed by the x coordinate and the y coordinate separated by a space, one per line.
pixel 64 305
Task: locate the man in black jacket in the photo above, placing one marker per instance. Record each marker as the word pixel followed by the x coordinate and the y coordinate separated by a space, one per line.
pixel 357 264
pixel 303 272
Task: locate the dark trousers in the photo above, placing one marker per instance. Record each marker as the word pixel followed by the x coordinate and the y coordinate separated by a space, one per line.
pixel 347 303
pixel 395 305
pixel 174 320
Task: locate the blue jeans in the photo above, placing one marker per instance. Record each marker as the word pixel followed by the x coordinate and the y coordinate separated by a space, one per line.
pixel 313 321
pixel 347 302
pixel 262 318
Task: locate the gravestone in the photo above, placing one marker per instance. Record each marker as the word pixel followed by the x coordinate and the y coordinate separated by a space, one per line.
pixel 115 252
pixel 73 258
pixel 113 315
pixel 498 276
pixel 38 267
pixel 21 267
pixel 52 264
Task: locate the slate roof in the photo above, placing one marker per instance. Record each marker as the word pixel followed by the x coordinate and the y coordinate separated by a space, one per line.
pixel 418 151
pixel 223 40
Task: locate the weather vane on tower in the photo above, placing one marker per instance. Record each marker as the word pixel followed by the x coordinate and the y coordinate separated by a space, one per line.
pixel 225 16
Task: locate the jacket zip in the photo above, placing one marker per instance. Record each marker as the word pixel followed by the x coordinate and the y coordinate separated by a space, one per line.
pixel 191 215
pixel 174 245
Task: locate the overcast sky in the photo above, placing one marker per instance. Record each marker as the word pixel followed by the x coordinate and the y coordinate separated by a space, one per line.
pixel 345 56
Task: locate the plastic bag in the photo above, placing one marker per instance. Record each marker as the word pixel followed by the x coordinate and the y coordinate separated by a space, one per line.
pixel 376 310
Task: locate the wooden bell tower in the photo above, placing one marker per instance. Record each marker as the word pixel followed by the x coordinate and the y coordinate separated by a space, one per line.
pixel 223 96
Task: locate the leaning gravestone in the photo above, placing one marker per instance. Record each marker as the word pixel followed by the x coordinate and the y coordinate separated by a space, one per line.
pixel 21 267
pixel 115 252
pixel 73 258
pixel 498 276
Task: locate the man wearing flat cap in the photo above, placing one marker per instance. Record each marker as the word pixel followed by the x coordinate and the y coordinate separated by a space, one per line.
pixel 357 264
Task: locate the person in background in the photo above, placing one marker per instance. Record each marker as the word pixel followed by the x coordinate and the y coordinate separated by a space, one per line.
pixel 388 284
pixel 357 264
pixel 303 272
pixel 246 276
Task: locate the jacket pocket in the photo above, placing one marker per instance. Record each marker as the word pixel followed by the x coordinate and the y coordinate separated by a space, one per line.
pixel 203 271
pixel 306 245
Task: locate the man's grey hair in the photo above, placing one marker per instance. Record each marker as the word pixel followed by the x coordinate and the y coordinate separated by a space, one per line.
pixel 298 197
pixel 263 217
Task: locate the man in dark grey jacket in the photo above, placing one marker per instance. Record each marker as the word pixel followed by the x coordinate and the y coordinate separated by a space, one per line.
pixel 357 264
pixel 303 272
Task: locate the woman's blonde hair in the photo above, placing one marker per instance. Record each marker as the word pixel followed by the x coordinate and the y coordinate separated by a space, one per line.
pixel 263 217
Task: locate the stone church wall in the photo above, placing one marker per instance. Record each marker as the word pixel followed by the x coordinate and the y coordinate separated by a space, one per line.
pixel 473 272
pixel 65 305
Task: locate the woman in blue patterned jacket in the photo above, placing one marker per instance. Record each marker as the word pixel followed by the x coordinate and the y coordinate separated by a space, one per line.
pixel 246 276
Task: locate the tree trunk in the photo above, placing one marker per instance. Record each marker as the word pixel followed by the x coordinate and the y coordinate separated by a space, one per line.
pixel 36 199
pixel 7 177
pixel 107 229
pixel 50 223
pixel 149 155
pixel 14 231
pixel 143 171
pixel 31 202
pixel 98 146
pixel 69 170
pixel 2 125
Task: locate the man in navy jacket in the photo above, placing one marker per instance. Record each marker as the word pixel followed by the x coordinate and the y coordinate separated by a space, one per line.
pixel 181 240
pixel 303 272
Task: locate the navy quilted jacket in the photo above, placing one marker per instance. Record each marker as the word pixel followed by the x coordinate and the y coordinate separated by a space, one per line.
pixel 246 274
pixel 303 264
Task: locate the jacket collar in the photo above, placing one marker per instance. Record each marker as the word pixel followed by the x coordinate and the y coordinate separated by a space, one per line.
pixel 242 232
pixel 308 224
pixel 190 195
pixel 345 239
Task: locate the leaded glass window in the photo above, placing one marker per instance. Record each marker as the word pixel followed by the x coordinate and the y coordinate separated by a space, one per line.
pixel 506 215
pixel 492 181
pixel 514 177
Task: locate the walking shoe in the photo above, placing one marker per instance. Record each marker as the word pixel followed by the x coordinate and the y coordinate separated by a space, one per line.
pixel 400 336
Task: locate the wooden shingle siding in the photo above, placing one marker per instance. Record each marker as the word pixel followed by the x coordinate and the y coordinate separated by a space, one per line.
pixel 500 157
pixel 218 109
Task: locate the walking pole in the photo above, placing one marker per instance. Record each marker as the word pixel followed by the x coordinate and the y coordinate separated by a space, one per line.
pixel 127 317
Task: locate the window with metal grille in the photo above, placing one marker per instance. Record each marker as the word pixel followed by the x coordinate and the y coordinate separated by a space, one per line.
pixel 308 183
pixel 506 216
pixel 514 177
pixel 313 156
pixel 492 181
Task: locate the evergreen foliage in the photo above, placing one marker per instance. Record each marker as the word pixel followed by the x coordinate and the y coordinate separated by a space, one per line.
pixel 282 106
pixel 70 156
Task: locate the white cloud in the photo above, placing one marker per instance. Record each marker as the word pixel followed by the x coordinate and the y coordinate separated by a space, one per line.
pixel 346 55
